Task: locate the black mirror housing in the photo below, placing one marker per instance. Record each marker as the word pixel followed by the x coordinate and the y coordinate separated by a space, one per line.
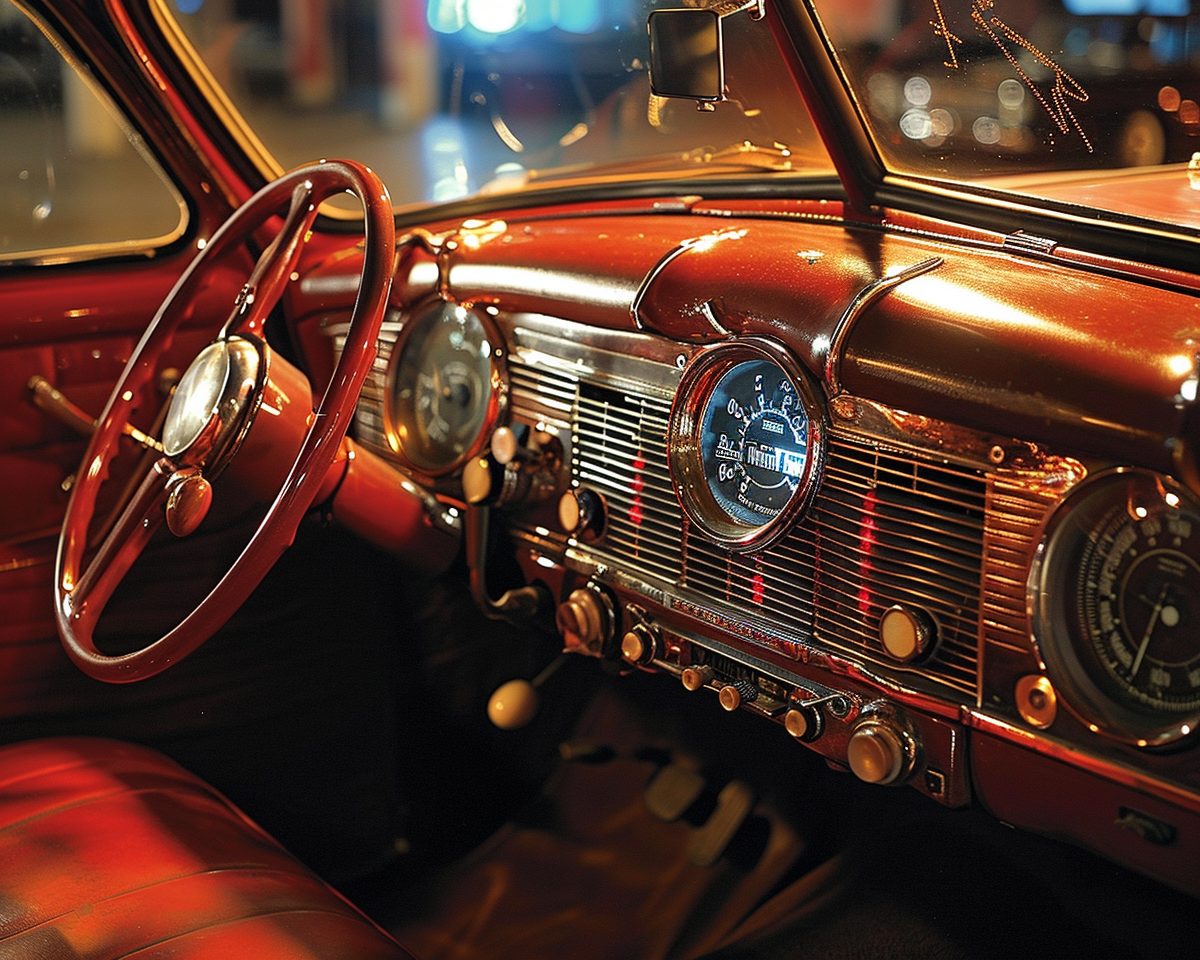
pixel 686 55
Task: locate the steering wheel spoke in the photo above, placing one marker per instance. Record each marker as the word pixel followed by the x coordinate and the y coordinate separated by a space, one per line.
pixel 212 419
pixel 135 525
pixel 274 268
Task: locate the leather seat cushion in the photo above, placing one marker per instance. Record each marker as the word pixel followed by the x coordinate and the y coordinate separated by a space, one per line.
pixel 111 850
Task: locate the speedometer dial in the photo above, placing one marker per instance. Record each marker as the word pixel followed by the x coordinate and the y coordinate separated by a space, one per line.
pixel 754 442
pixel 445 387
pixel 1119 606
pixel 745 443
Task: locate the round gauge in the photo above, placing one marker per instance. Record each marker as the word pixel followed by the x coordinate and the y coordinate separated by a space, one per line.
pixel 745 443
pixel 445 387
pixel 1117 606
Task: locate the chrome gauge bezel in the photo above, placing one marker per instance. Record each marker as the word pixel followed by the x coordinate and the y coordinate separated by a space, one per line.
pixel 685 454
pixel 1059 585
pixel 399 424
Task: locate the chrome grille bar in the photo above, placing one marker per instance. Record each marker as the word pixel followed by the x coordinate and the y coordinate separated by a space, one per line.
pixel 888 526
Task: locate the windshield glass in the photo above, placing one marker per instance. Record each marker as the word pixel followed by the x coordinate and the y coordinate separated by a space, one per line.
pixel 1084 101
pixel 450 98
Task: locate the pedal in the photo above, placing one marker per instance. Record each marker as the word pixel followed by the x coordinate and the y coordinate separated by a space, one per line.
pixel 708 844
pixel 672 791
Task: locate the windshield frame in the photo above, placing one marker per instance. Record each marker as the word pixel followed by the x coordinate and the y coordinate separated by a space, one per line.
pixel 842 120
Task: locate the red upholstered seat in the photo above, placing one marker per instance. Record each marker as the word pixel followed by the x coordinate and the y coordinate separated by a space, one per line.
pixel 112 850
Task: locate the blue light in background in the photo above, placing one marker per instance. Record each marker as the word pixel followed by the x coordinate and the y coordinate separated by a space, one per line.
pixel 1128 8
pixel 496 17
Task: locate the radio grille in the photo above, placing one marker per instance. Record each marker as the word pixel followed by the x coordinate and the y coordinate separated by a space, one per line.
pixel 887 526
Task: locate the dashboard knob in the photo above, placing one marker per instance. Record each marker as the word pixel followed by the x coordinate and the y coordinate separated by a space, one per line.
pixel 513 704
pixel 585 620
pixel 804 723
pixel 639 645
pixel 504 445
pixel 906 632
pixel 877 752
pixel 582 513
pixel 696 678
pixel 733 695
pixel 481 478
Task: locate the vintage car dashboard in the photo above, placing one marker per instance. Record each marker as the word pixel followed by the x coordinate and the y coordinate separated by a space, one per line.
pixel 698 477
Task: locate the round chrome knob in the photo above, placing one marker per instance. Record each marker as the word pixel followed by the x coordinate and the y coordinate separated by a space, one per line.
pixel 877 752
pixel 581 512
pixel 585 620
pixel 639 645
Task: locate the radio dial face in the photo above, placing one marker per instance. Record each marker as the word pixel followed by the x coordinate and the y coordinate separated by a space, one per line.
pixel 1116 595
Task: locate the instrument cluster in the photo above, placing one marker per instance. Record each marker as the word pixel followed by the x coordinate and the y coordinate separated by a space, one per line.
pixel 1116 600
pixel 746 443
pixel 869 580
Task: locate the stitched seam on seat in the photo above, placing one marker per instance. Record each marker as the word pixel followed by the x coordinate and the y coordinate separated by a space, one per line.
pixel 108 795
pixel 214 871
pixel 258 916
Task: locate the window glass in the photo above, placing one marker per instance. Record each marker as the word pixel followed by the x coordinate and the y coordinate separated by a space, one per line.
pixel 70 174
pixel 449 98
pixel 1091 102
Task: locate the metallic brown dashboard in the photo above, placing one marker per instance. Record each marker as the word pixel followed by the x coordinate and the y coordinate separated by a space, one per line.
pixel 809 477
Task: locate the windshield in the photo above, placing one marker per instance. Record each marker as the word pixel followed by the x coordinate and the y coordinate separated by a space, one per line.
pixel 1085 101
pixel 451 98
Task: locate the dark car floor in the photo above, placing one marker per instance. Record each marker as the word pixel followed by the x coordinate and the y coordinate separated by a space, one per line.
pixel 545 843
pixel 344 708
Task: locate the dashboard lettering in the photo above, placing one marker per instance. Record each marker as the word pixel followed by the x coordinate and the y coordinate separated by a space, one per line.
pixel 738 628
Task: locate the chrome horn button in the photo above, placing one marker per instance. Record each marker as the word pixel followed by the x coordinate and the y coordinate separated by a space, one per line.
pixel 208 412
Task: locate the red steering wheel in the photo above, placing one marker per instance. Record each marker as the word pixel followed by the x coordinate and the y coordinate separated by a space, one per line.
pixel 213 423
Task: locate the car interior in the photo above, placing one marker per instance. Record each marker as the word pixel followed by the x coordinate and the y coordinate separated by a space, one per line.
pixel 721 484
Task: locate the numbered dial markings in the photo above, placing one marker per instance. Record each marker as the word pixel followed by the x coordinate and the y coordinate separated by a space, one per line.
pixel 754 442
pixel 443 388
pixel 1116 597
pixel 745 443
pixel 1139 605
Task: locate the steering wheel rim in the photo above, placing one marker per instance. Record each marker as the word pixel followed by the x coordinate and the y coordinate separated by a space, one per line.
pixel 81 592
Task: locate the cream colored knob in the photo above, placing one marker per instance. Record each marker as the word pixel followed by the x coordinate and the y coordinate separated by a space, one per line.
pixel 906 633
pixel 696 678
pixel 513 704
pixel 477 480
pixel 505 445
pixel 581 512
pixel 804 723
pixel 733 695
pixel 638 645
pixel 876 752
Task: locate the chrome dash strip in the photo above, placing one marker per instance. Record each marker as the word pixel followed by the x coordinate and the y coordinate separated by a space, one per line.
pixel 865 297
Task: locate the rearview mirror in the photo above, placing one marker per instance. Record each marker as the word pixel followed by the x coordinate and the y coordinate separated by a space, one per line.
pixel 686 59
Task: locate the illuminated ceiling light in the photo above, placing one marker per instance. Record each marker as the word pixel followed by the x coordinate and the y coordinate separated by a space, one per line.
pixel 495 16
pixel 446 16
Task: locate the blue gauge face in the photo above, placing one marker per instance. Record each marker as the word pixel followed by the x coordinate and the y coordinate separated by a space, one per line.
pixel 754 442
